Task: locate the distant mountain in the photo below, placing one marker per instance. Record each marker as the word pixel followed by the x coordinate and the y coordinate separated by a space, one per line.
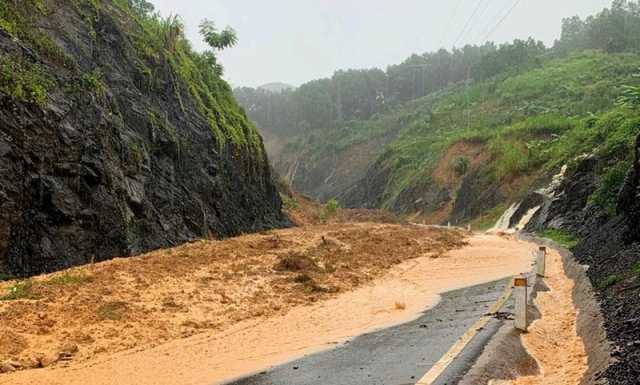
pixel 276 86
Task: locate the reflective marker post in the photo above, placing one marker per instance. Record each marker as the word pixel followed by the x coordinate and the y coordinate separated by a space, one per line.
pixel 520 292
pixel 541 256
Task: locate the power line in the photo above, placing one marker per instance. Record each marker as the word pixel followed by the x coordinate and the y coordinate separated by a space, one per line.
pixel 477 20
pixel 504 6
pixel 449 24
pixel 501 20
pixel 468 21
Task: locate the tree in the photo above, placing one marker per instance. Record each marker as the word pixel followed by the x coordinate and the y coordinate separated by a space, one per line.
pixel 142 7
pixel 217 40
pixel 573 36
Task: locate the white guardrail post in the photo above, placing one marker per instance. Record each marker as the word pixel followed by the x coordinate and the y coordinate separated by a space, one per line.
pixel 541 256
pixel 520 292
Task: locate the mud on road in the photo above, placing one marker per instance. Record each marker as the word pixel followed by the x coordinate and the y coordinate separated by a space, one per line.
pixel 137 303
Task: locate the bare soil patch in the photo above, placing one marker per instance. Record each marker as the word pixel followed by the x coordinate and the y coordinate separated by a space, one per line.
pixel 445 172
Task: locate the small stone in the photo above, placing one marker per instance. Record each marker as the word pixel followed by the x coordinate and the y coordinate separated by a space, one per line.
pixel 47 359
pixel 295 368
pixel 188 331
pixel 70 348
pixel 7 368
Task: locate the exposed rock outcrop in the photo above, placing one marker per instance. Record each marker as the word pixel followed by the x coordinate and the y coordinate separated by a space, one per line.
pixel 110 165
pixel 569 209
pixel 475 197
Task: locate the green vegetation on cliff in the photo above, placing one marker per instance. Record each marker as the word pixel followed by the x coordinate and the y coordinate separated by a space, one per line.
pixel 117 137
pixel 170 62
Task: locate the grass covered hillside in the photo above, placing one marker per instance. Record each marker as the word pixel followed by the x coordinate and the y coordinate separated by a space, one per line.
pixel 456 135
pixel 514 129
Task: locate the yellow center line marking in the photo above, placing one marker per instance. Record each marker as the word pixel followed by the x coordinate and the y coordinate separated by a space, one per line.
pixel 437 369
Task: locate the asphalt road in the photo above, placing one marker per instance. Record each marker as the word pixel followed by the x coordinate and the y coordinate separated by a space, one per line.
pixel 401 354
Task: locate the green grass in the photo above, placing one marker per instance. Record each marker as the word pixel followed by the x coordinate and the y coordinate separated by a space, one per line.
pixel 636 270
pixel 111 312
pixel 606 193
pixel 610 280
pixel 566 240
pixel 19 290
pixel 288 203
pixel 66 279
pixel 489 218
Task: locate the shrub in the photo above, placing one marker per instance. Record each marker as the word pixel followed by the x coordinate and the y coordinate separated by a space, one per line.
pixel 24 81
pixel 329 209
pixel 460 164
pixel 289 203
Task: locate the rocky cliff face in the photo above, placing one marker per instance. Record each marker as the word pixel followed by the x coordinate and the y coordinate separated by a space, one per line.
pixel 569 210
pixel 105 152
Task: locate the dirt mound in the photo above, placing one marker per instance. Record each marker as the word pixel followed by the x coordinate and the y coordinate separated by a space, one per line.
pixel 140 302
pixel 303 210
pixel 364 215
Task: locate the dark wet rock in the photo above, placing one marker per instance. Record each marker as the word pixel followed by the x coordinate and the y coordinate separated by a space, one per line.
pixel 532 200
pixel 628 204
pixel 613 248
pixel 475 197
pixel 569 209
pixel 94 176
pixel 367 193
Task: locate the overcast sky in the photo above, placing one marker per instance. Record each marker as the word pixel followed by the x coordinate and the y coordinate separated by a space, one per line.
pixel 294 41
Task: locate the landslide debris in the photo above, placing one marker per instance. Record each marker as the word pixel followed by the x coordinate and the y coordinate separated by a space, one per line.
pixel 139 302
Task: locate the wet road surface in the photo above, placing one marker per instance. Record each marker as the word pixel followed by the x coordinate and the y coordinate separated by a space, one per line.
pixel 401 354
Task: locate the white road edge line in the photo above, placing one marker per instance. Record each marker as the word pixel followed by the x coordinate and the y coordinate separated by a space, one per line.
pixel 437 369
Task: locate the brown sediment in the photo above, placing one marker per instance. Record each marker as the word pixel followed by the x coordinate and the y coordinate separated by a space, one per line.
pixel 552 339
pixel 252 343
